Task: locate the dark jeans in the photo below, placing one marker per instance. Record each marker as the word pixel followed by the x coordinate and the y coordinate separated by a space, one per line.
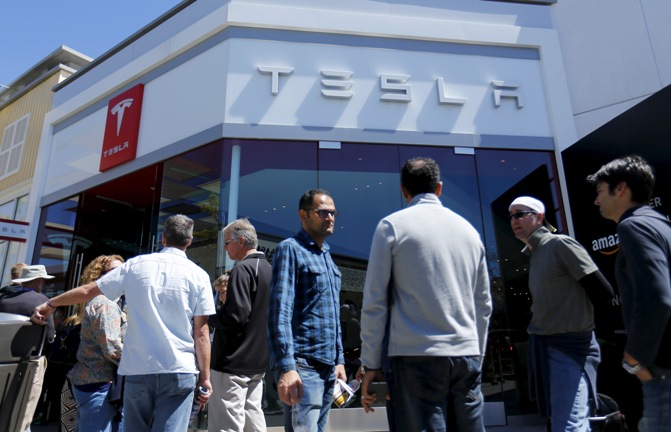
pixel 389 404
pixel 437 394
pixel 656 403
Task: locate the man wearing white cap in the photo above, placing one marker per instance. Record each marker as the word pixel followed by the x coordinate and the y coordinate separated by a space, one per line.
pixel 23 302
pixel 563 352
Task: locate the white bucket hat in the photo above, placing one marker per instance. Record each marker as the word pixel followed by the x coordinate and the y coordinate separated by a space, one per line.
pixel 33 272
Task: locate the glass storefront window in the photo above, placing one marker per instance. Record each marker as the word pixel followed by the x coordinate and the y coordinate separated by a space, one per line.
pixel 56 242
pixel 192 186
pixel 273 176
pixel 262 180
pixel 365 184
pixel 9 251
pixel 7 210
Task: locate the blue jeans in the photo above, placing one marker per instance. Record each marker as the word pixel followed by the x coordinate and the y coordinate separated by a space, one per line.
pixel 94 413
pixel 437 394
pixel 656 403
pixel 158 402
pixel 312 412
pixel 569 393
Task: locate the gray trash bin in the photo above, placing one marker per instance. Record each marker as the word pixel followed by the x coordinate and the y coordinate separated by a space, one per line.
pixel 20 342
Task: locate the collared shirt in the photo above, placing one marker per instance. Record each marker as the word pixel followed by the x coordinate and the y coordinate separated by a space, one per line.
pixel 560 303
pixel 102 332
pixel 304 315
pixel 164 291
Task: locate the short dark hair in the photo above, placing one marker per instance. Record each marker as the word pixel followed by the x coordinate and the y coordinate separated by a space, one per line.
pixel 420 175
pixel 178 230
pixel 308 198
pixel 633 170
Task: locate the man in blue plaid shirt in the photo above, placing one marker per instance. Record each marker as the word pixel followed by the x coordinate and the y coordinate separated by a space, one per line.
pixel 304 317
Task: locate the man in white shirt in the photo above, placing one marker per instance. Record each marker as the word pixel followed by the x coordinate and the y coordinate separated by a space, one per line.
pixel 167 347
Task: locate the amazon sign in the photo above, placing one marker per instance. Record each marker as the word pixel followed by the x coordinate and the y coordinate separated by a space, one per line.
pixel 608 245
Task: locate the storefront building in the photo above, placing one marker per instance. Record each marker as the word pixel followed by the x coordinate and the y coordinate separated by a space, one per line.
pixel 220 110
pixel 23 105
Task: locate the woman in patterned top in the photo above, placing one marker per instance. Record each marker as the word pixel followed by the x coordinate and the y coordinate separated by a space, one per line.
pixel 102 332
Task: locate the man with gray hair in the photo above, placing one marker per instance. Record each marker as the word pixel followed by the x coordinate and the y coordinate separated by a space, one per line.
pixel 166 352
pixel 239 350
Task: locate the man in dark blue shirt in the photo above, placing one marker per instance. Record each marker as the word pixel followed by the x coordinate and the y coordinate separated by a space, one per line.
pixel 304 317
pixel 624 186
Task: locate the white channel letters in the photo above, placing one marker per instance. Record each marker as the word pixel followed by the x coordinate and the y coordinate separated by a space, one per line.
pixel 395 87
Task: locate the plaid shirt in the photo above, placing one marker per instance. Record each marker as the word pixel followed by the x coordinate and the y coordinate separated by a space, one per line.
pixel 304 313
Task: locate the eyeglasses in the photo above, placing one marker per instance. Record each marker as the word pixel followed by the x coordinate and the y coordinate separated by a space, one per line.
pixel 519 215
pixel 324 213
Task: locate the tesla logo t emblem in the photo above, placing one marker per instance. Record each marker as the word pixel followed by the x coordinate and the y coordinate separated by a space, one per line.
pixel 122 128
pixel 118 109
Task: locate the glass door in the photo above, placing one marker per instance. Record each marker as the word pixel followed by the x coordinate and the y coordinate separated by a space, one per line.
pixel 118 217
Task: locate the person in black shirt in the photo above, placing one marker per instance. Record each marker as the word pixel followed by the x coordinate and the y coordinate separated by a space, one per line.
pixel 239 350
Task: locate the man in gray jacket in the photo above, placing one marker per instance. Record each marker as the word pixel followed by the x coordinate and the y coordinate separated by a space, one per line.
pixel 427 268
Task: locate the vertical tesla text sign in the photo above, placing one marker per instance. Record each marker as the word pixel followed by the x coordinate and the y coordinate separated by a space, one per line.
pixel 122 128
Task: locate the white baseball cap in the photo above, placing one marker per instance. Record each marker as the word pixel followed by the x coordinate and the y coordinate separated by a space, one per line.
pixel 530 202
pixel 535 205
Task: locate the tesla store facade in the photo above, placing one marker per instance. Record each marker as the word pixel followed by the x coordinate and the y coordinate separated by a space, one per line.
pixel 238 108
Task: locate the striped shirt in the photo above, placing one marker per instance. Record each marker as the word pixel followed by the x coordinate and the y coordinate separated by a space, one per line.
pixel 304 312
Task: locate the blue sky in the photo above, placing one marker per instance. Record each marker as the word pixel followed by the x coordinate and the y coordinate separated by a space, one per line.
pixel 32 29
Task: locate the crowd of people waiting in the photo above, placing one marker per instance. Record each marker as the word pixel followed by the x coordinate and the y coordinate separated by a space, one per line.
pixel 145 324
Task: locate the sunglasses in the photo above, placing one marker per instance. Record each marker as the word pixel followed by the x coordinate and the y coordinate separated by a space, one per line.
pixel 519 215
pixel 324 213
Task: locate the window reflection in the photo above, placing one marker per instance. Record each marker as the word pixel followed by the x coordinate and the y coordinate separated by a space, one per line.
pixel 192 186
pixel 365 184
pixel 273 176
pixel 56 241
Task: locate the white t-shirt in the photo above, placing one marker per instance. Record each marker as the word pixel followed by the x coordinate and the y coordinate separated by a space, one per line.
pixel 164 291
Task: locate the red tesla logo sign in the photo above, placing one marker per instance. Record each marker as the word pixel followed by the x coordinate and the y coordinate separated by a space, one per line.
pixel 122 128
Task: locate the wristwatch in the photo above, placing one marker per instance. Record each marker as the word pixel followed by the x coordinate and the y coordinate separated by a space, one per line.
pixel 632 369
